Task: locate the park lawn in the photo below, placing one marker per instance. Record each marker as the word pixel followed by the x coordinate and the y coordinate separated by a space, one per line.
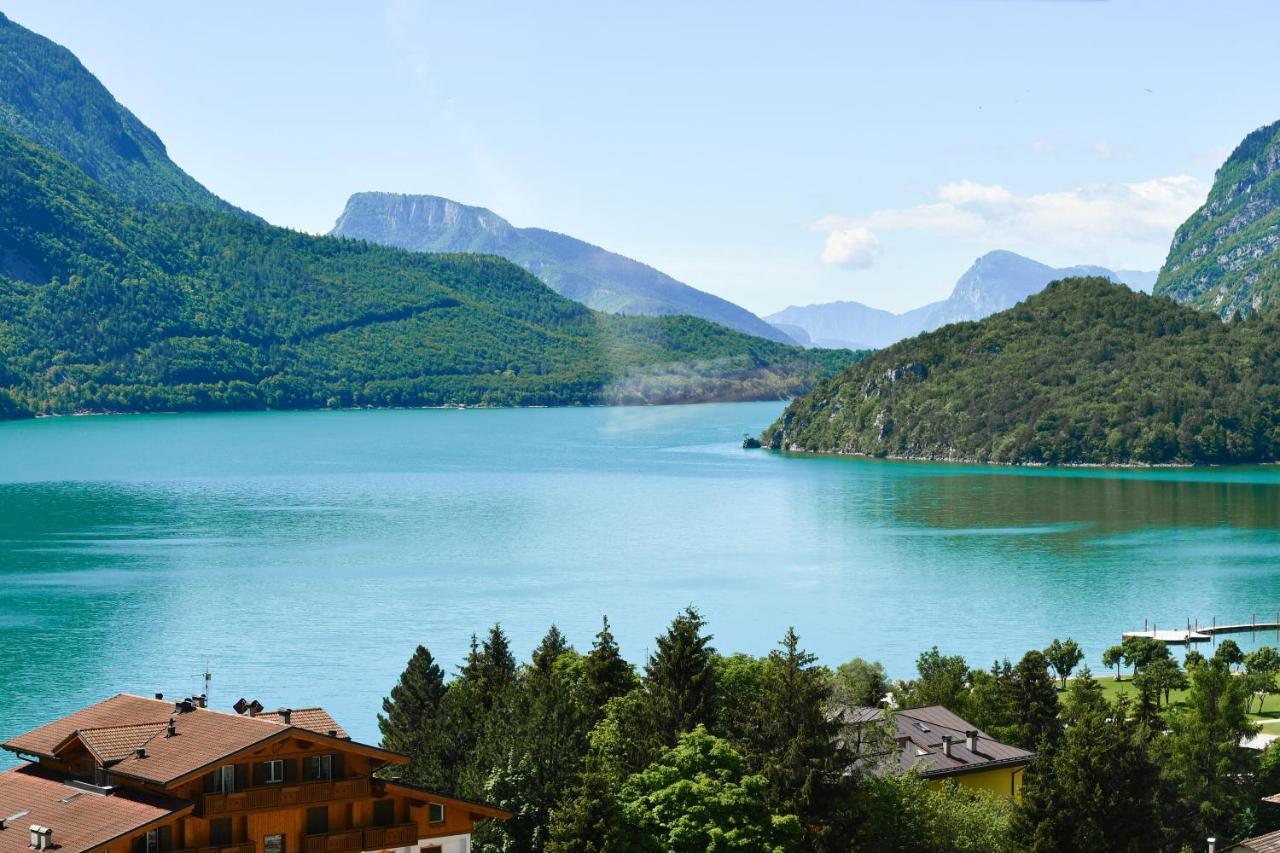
pixel 1269 717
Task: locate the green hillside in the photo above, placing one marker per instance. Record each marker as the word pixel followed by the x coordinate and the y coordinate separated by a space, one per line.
pixel 106 307
pixel 1226 257
pixel 1085 372
pixel 47 96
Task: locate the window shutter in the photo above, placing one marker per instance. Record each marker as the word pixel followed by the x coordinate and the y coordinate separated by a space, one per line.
pixel 211 781
pixel 166 838
pixel 337 767
pixel 291 770
pixel 140 844
pixel 260 773
pixel 242 777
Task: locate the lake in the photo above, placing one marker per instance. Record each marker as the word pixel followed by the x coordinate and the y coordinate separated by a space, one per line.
pixel 300 556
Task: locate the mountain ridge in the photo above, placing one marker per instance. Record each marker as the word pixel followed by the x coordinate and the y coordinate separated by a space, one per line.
pixel 1226 257
pixel 582 271
pixel 995 281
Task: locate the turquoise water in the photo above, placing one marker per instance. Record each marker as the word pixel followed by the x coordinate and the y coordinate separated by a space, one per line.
pixel 301 556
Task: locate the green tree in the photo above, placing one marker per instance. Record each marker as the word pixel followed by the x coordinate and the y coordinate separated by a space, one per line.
pixel 1229 653
pixel 1201 758
pixel 1162 676
pixel 902 814
pixel 1035 703
pixel 796 747
pixel 553 645
pixel 1112 658
pixel 1063 656
pixel 943 680
pixel 698 797
pixel 1192 660
pixel 680 678
pixel 1140 651
pixel 410 711
pixel 739 680
pixel 860 684
pixel 606 673
pixel 589 821
pixel 1262 665
pixel 1096 791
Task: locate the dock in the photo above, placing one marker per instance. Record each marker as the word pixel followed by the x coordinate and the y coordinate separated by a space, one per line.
pixel 1197 633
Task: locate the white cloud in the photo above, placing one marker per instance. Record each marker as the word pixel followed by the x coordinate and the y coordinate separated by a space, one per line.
pixel 1127 223
pixel 855 248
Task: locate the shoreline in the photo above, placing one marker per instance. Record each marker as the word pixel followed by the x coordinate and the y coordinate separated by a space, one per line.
pixel 962 460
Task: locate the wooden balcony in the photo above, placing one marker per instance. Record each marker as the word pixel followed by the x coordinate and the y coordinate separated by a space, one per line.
pixel 335 842
pixel 284 795
pixel 387 837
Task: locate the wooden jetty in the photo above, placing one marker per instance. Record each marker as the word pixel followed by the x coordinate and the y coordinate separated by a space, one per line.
pixel 1197 633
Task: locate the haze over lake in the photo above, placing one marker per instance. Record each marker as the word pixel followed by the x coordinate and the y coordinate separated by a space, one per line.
pixel 302 555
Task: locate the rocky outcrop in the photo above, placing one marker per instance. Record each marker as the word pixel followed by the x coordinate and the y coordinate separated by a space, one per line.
pixel 1226 256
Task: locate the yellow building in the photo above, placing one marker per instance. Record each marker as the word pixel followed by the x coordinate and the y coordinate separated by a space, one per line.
pixel 941 747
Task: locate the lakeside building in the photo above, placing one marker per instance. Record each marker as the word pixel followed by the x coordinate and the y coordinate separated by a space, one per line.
pixel 139 775
pixel 941 746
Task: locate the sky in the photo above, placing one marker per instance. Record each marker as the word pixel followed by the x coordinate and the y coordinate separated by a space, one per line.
pixel 773 154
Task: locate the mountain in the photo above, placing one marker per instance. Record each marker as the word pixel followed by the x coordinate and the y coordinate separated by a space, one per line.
pixel 585 273
pixel 108 307
pixel 47 96
pixel 1087 371
pixel 996 281
pixel 1226 257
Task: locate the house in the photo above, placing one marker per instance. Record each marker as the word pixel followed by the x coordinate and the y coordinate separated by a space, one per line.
pixel 941 746
pixel 1269 843
pixel 144 775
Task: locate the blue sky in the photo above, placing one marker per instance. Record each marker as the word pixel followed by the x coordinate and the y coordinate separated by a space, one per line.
pixel 770 153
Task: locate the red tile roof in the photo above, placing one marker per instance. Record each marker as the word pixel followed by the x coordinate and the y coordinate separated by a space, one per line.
pixel 80 820
pixel 115 728
pixel 1269 843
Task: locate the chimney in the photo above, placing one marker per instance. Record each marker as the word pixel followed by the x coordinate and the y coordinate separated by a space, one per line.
pixel 971 740
pixel 333 732
pixel 160 696
pixel 1213 845
pixel 171 729
pixel 201 700
pixel 41 837
pixel 140 752
pixel 286 714
pixel 946 745
pixel 255 708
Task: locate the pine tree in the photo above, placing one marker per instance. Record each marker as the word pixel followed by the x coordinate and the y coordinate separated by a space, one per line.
pixel 796 745
pixel 409 721
pixel 605 672
pixel 549 650
pixel 680 678
pixel 1035 703
pixel 589 821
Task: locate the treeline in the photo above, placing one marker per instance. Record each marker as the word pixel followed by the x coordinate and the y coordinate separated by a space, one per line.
pixel 1086 371
pixel 698 750
pixel 108 307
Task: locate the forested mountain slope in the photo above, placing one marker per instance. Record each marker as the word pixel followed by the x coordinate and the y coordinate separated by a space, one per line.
pixel 47 96
pixel 1084 372
pixel 109 307
pixel 1226 257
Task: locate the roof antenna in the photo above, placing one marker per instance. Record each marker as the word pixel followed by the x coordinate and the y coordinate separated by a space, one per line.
pixel 208 676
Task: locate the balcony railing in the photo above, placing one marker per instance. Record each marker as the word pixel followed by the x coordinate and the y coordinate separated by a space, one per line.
pixel 386 837
pixel 285 794
pixel 373 838
pixel 335 842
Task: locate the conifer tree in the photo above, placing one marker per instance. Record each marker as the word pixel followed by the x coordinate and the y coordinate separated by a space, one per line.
pixel 409 721
pixel 549 650
pixel 1035 703
pixel 605 672
pixel 680 678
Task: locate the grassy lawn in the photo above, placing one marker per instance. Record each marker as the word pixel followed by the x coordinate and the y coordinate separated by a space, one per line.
pixel 1269 716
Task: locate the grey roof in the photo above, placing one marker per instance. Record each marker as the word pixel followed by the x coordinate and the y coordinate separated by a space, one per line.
pixel 919 735
pixel 1269 843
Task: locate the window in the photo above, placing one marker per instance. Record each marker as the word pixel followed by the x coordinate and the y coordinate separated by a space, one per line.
pixel 220 831
pixel 273 771
pixel 156 841
pixel 384 812
pixel 435 812
pixel 320 767
pixel 318 820
pixel 224 779
pixel 273 844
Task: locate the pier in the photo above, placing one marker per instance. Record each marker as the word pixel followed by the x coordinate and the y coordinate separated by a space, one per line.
pixel 1197 633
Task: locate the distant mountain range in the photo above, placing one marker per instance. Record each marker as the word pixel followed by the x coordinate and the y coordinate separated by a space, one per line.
pixel 996 281
pixel 585 273
pixel 1226 257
